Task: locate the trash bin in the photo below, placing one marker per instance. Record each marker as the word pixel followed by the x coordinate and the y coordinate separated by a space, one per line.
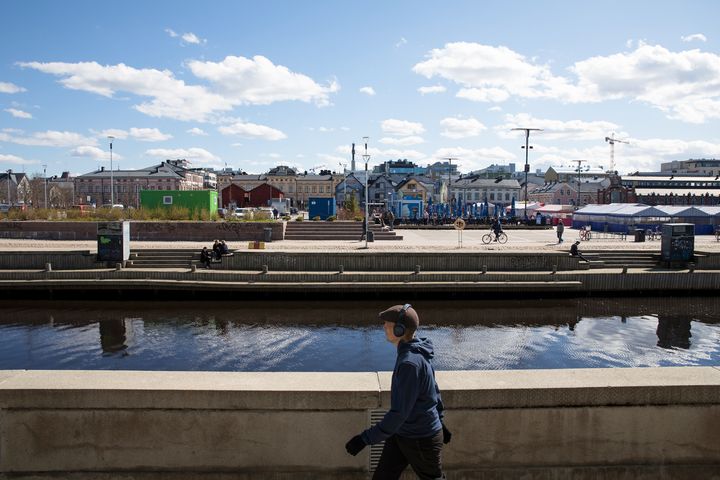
pixel 371 236
pixel 267 234
pixel 639 235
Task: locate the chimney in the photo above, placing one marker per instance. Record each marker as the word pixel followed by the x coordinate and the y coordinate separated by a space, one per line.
pixel 102 169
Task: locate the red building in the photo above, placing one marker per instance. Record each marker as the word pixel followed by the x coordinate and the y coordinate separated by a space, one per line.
pixel 261 195
pixel 234 194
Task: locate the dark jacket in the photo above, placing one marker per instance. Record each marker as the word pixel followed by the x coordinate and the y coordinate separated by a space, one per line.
pixel 416 408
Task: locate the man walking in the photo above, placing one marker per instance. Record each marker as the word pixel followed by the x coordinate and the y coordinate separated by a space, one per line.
pixel 560 230
pixel 413 429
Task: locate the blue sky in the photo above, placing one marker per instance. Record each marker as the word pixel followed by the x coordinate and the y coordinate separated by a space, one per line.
pixel 251 85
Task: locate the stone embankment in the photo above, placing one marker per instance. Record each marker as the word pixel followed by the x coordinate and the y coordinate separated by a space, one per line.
pixel 586 424
pixel 360 273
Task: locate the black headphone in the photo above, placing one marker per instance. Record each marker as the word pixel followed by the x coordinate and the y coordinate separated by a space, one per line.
pixel 399 327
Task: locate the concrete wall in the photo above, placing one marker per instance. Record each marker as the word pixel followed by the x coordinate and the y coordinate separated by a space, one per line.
pixel 148 231
pixel 394 261
pixel 60 260
pixel 542 424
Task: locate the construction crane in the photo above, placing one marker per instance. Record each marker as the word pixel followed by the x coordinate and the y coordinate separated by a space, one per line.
pixel 612 141
pixel 316 167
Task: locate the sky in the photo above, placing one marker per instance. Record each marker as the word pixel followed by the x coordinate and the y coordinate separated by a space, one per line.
pixel 254 84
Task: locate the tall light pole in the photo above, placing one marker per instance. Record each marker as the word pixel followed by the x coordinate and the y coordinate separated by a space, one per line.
pixel 112 193
pixel 579 169
pixel 366 157
pixel 449 159
pixel 45 182
pixel 527 165
pixel 9 172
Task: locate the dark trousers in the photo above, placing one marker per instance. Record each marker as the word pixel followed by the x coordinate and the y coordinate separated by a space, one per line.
pixel 424 455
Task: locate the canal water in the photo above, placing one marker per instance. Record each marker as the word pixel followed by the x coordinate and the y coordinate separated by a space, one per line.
pixel 346 336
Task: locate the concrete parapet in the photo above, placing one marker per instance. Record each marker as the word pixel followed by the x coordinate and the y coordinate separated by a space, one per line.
pixel 580 424
pixel 144 230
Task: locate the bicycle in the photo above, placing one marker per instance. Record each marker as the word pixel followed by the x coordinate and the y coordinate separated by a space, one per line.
pixel 585 235
pixel 489 237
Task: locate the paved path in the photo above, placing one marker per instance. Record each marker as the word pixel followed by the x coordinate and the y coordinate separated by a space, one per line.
pixel 414 240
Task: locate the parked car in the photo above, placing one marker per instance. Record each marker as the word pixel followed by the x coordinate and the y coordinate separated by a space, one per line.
pixel 293 211
pixel 4 208
pixel 119 206
pixel 83 209
pixel 222 212
pixel 245 213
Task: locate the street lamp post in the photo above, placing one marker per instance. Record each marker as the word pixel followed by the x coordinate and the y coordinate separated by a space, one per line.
pixel 527 166
pixel 366 157
pixel 9 172
pixel 112 193
pixel 45 182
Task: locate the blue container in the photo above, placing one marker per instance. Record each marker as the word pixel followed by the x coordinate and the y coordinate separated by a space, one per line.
pixel 321 207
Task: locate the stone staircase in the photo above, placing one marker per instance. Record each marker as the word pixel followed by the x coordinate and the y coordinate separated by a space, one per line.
pixel 156 258
pixel 310 230
pixel 618 259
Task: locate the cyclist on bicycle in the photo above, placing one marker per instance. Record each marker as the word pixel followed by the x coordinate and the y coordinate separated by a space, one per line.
pixel 496 227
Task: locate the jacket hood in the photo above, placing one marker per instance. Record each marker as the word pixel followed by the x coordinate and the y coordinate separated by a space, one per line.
pixel 422 346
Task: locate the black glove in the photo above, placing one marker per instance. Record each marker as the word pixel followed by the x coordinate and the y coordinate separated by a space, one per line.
pixel 355 445
pixel 447 435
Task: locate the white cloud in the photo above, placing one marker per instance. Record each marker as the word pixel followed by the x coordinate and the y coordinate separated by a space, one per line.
pixel 6 87
pixel 368 90
pixel 197 132
pixel 489 73
pixel 332 160
pixel 192 38
pixel 14 159
pixel 258 81
pixel 142 134
pixel 557 129
pixel 94 153
pixel 169 97
pixel 18 113
pixel 199 155
pixel 461 127
pixel 171 32
pixel 495 109
pixel 402 141
pixel 393 126
pixel 401 42
pixel 252 130
pixel 696 36
pixel 149 134
pixel 432 89
pixel 234 81
pixel 50 138
pixel 681 84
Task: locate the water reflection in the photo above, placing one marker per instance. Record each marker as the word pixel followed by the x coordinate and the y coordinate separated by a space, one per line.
pixel 345 336
pixel 673 331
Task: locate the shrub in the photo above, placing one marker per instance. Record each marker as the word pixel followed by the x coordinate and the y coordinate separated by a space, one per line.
pixel 358 218
pixel 299 219
pixel 316 218
pixel 331 218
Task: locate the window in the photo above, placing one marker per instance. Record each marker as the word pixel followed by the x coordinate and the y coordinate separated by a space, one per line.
pixel 492 196
pixel 507 197
pixel 167 199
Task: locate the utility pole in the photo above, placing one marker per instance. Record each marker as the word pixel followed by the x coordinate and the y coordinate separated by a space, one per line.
pixel 45 182
pixel 527 165
pixel 449 160
pixel 579 162
pixel 112 194
pixel 366 157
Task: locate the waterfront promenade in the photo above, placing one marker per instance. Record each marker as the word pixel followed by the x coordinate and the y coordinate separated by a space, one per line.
pixel 544 240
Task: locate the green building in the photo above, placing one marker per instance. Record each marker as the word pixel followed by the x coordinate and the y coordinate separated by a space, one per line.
pixel 193 200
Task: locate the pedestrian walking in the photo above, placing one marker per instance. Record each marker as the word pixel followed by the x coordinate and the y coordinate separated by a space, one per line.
pixel 560 230
pixel 413 428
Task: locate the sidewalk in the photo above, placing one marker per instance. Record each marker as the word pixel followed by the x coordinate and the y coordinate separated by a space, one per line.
pixel 414 240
